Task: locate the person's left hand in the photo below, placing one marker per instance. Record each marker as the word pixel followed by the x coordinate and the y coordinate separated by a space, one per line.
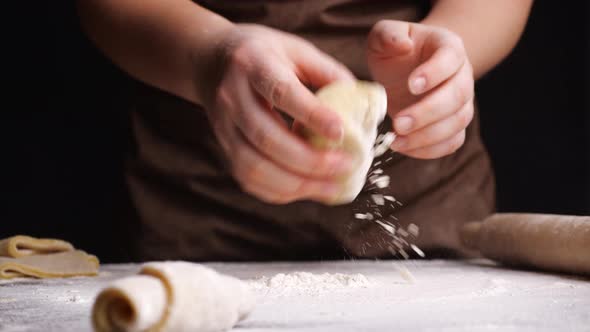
pixel 430 86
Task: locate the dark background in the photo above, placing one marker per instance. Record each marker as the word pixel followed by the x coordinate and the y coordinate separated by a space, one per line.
pixel 64 126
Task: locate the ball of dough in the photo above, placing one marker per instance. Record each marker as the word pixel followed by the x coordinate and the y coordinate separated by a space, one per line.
pixel 362 106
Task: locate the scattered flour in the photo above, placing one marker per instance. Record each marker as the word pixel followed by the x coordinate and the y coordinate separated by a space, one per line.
pixel 405 273
pixel 494 286
pixel 383 143
pixel 401 239
pixel 380 181
pixel 306 283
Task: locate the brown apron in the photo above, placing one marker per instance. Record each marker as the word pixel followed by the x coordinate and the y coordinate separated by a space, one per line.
pixel 188 206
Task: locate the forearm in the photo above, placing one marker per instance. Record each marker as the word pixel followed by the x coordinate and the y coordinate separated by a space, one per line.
pixel 489 29
pixel 167 44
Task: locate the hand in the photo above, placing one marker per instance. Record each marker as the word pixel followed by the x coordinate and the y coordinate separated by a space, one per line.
pixel 429 81
pixel 263 69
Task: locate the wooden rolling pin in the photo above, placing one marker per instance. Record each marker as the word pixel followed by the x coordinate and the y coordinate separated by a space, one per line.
pixel 539 241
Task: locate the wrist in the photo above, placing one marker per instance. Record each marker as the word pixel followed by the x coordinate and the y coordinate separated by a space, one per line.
pixel 206 55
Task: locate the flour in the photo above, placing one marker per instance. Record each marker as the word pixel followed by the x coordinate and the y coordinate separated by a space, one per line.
pixel 383 143
pixel 494 286
pixel 401 239
pixel 309 284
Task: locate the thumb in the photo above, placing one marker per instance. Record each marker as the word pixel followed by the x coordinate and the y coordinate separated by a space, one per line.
pixel 390 38
pixel 317 69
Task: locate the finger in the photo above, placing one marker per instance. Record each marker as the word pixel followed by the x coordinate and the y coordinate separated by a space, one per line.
pixel 278 84
pixel 439 150
pixel 284 198
pixel 447 59
pixel 272 183
pixel 265 195
pixel 436 132
pixel 390 38
pixel 437 105
pixel 220 119
pixel 318 69
pixel 269 136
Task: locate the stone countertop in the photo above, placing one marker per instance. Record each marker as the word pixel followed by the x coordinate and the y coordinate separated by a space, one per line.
pixel 445 296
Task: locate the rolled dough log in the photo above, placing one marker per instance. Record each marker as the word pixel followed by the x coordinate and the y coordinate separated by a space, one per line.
pixel 21 245
pixel 64 264
pixel 548 242
pixel 362 107
pixel 172 296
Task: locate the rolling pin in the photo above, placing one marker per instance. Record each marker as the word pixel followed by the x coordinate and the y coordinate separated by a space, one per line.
pixel 556 243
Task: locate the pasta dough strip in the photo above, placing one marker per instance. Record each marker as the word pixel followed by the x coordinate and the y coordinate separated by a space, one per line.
pixel 21 245
pixel 64 264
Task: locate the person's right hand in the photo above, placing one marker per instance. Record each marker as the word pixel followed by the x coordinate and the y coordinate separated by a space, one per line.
pixel 262 70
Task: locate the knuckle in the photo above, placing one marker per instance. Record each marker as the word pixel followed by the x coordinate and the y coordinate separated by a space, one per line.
pixel 240 117
pixel 310 115
pixel 380 27
pixel 262 139
pixel 466 84
pixel 320 166
pixel 245 172
pixel 305 46
pixel 465 116
pixel 469 116
pixel 297 188
pixel 238 173
pixel 454 40
pixel 460 94
pixel 332 69
pixel 430 108
pixel 247 187
pixel 439 133
pixel 253 190
pixel 276 198
pixel 468 67
pixel 281 199
pixel 240 58
pixel 447 56
pixel 222 138
pixel 470 90
pixel 250 171
pixel 278 89
pixel 217 123
pixel 456 142
pixel 241 55
pixel 222 98
pixel 420 141
pixel 342 71
pixel 454 45
pixel 440 152
pixel 270 198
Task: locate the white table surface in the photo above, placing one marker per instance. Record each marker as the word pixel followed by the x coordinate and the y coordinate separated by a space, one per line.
pixel 446 296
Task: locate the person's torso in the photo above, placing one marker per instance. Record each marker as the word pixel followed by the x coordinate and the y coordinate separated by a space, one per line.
pixel 189 206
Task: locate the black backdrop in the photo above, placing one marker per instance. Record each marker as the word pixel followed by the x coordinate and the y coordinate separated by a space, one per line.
pixel 535 114
pixel 64 128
